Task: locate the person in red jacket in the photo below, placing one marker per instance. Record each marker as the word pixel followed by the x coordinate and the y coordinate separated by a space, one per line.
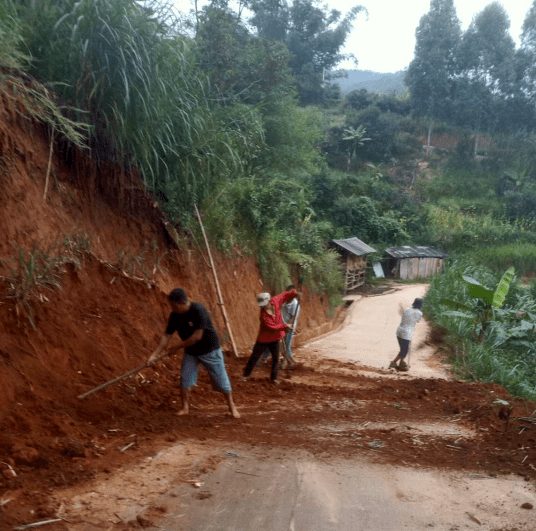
pixel 272 329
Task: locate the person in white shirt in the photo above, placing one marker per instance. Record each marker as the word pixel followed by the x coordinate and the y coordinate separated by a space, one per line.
pixel 290 312
pixel 404 333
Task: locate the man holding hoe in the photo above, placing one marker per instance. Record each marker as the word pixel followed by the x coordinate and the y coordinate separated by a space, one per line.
pixel 410 317
pixel 272 328
pixel 201 345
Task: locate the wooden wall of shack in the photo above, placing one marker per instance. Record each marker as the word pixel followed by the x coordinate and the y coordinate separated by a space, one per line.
pixel 421 267
pixel 356 271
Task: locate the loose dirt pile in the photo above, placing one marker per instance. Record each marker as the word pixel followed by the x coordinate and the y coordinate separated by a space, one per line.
pixel 324 407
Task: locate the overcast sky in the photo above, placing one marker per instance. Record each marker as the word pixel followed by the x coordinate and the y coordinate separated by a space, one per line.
pixel 386 41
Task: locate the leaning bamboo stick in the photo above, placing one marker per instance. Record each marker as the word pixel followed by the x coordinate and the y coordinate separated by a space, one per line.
pixel 49 163
pixel 223 311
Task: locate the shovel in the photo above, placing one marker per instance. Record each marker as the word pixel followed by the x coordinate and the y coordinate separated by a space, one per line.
pixel 287 358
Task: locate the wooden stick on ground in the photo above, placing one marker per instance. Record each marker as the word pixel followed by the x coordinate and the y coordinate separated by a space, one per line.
pixel 39 524
pixel 225 318
pixel 119 378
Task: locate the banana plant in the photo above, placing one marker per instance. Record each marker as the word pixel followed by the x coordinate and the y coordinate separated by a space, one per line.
pixel 486 302
pixel 355 138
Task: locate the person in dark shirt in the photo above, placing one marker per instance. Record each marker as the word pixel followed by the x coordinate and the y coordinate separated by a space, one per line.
pixel 201 345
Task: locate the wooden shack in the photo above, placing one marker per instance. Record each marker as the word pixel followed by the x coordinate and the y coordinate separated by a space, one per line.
pixel 408 262
pixel 354 256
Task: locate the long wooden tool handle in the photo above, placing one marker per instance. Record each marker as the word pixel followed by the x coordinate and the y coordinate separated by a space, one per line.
pixel 118 379
pixel 296 315
pixel 218 290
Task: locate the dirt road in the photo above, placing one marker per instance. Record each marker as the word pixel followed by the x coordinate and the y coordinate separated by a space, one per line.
pixel 368 336
pixel 341 444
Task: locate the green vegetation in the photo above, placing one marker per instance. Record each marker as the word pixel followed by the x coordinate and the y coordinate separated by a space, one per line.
pixel 248 125
pixel 30 273
pixel 491 340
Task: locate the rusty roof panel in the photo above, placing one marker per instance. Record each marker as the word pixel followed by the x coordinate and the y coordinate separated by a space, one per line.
pixel 415 252
pixel 355 246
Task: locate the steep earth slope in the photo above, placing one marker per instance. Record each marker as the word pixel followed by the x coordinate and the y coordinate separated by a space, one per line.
pixel 92 234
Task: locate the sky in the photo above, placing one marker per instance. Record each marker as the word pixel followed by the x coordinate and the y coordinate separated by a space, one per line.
pixel 385 42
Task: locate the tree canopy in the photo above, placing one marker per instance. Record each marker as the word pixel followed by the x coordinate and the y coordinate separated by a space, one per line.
pixel 431 73
pixel 313 34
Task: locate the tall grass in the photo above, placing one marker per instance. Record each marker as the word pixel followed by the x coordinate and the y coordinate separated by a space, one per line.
pixel 38 101
pixel 30 273
pixel 136 82
pixel 461 231
pixel 499 257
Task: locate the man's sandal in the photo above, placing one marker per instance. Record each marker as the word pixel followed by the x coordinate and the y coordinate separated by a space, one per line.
pixel 403 366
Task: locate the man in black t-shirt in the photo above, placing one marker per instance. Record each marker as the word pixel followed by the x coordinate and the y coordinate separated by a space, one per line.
pixel 201 345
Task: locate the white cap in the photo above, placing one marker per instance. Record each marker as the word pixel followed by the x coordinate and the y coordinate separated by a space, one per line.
pixel 263 299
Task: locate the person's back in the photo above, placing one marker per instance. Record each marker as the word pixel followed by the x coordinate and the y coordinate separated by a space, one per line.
pixel 404 333
pixel 290 312
pixel 410 318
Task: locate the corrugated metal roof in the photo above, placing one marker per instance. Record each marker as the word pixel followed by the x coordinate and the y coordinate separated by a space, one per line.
pixel 355 246
pixel 415 252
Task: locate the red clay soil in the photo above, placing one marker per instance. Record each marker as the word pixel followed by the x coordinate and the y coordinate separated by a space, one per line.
pixel 102 323
pixel 55 442
pixel 119 259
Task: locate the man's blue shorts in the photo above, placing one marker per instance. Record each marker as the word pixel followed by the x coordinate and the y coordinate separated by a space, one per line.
pixel 215 365
pixel 404 347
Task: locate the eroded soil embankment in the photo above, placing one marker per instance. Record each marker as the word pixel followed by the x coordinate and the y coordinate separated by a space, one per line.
pixel 105 229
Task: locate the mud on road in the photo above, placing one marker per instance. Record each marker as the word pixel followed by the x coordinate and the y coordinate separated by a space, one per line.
pixel 109 459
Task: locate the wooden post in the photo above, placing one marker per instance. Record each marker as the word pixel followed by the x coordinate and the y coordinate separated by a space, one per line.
pixel 225 318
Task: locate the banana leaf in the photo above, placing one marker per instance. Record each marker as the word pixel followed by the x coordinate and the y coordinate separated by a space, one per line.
pixel 502 288
pixel 477 290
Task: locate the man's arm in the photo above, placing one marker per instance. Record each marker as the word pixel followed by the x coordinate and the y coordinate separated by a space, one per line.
pixel 164 341
pixel 289 312
pixel 285 297
pixel 192 340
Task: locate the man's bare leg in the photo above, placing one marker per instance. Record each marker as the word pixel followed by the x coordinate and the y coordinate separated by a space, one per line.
pixel 230 403
pixel 185 395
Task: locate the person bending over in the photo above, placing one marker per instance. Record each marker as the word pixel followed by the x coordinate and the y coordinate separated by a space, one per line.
pixel 271 330
pixel 201 345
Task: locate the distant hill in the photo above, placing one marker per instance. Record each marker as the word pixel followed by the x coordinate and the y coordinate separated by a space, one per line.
pixel 372 81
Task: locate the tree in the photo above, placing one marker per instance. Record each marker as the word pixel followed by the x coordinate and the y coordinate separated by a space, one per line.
pixel 313 34
pixel 240 65
pixel 355 138
pixel 527 53
pixel 359 217
pixel 381 128
pixel 486 60
pixel 360 99
pixel 430 75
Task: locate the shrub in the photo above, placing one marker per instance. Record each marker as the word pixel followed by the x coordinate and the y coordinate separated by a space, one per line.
pixel 507 352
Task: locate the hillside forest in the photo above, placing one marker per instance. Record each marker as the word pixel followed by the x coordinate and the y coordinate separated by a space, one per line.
pixel 229 109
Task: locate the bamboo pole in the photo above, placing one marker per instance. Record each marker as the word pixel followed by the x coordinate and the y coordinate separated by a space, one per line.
pixel 223 311
pixel 119 378
pixel 49 163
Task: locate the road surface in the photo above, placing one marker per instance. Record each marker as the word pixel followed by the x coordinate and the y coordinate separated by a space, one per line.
pixel 263 486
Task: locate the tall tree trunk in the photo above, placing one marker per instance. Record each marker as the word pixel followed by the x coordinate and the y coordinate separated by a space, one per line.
pixel 429 138
pixel 477 133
